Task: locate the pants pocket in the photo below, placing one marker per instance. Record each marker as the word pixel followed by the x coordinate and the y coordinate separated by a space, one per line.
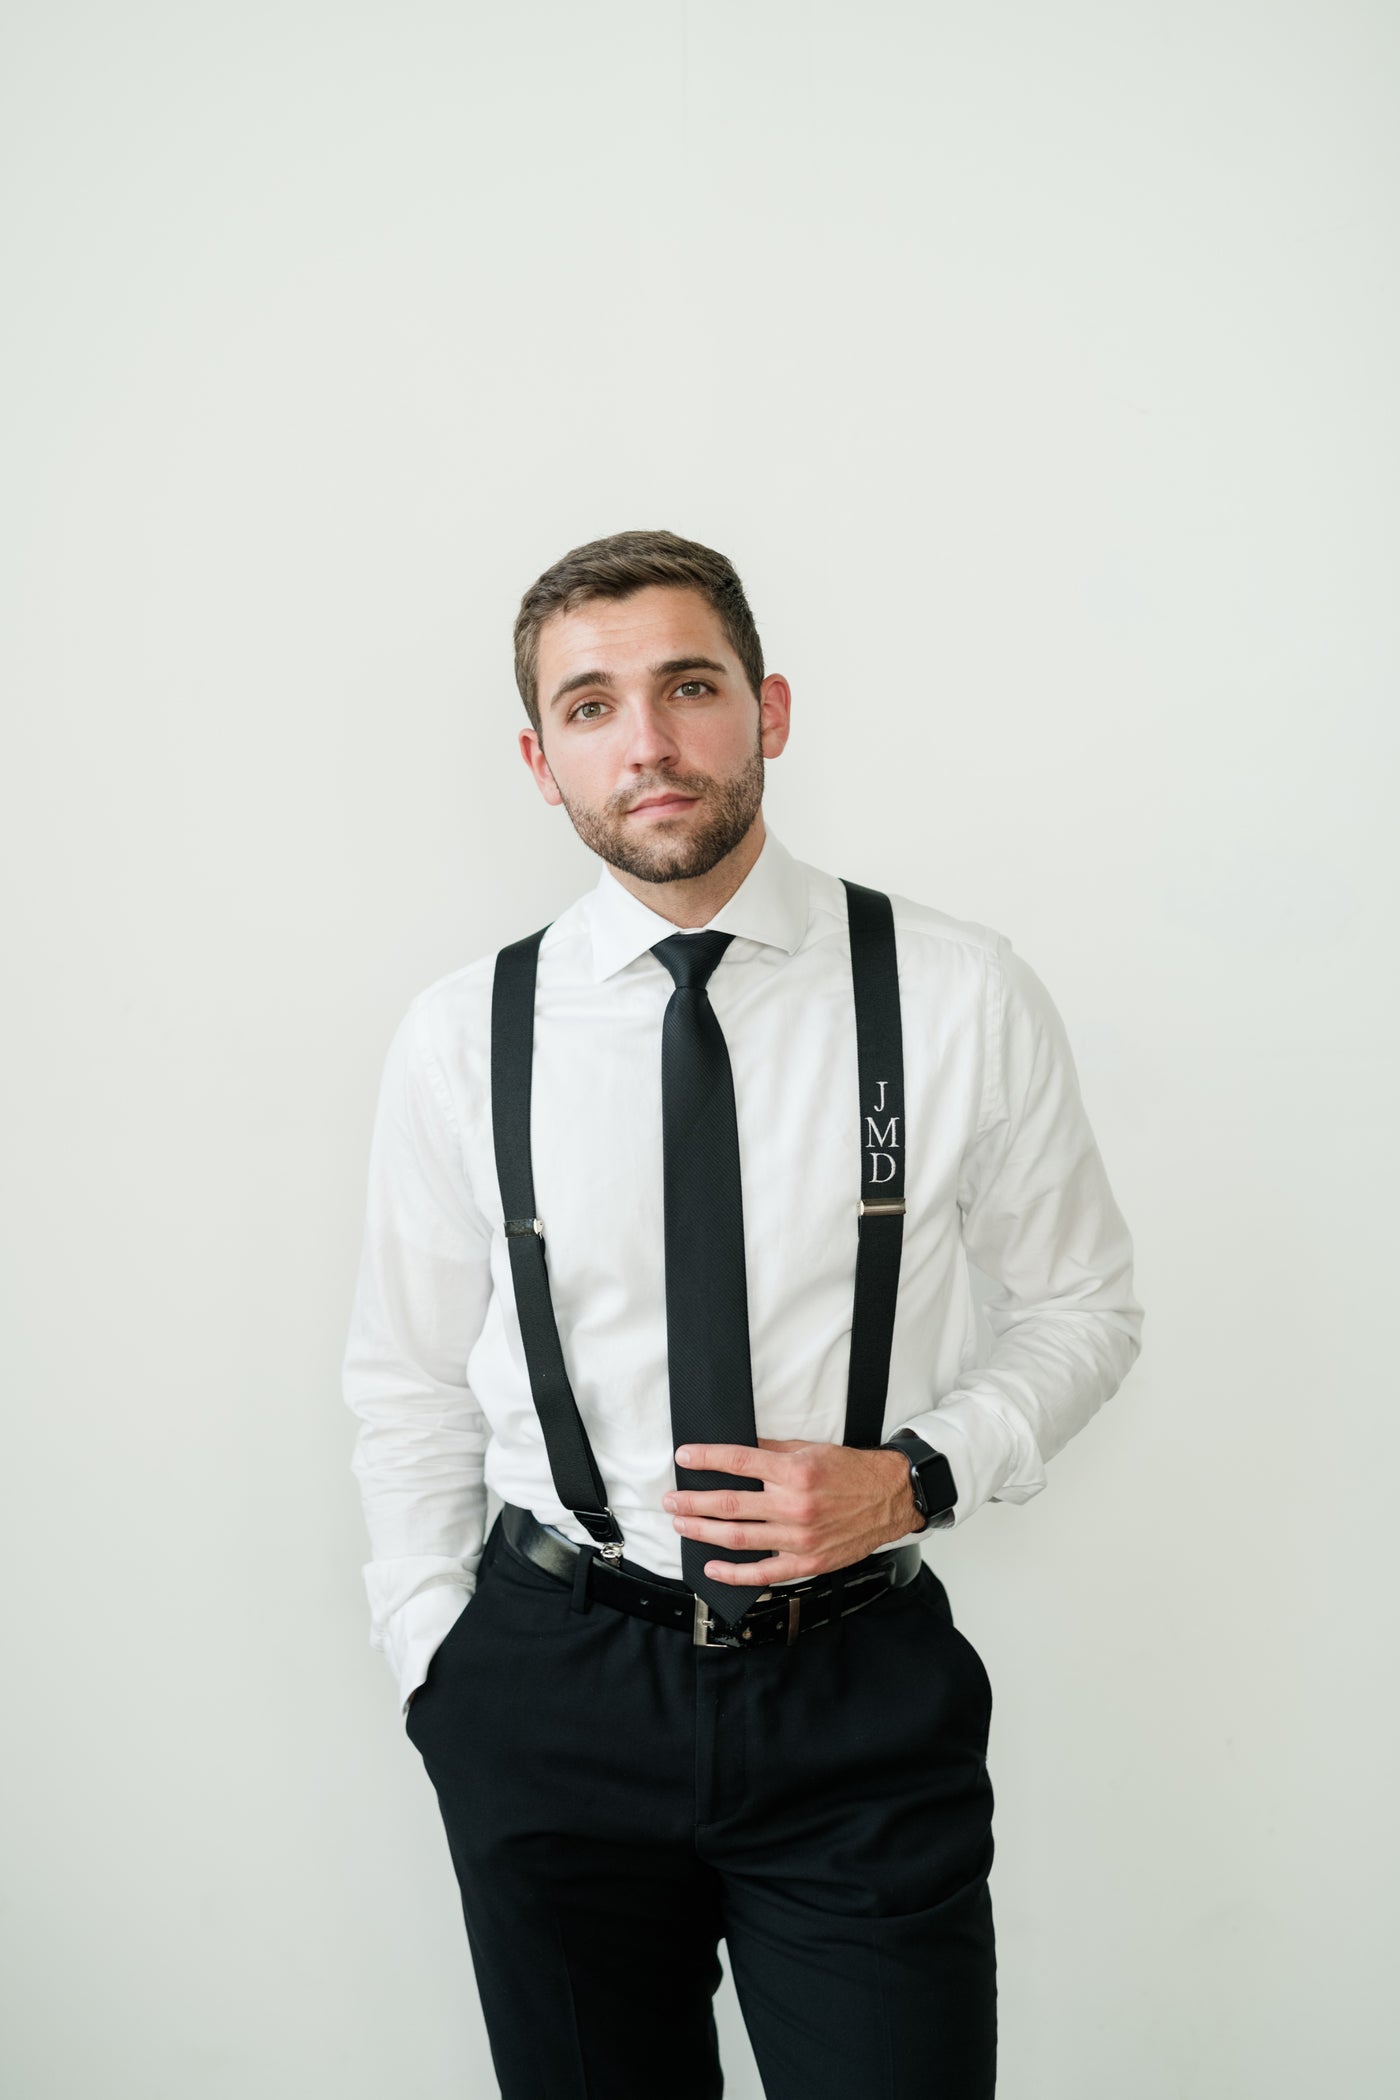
pixel 973 1671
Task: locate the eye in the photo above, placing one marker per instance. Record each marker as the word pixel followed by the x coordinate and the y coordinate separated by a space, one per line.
pixel 695 685
pixel 576 712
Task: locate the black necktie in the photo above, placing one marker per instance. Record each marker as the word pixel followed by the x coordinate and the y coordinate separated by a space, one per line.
pixel 707 1307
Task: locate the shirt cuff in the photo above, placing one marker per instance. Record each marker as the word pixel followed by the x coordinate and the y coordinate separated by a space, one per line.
pixel 993 1458
pixel 418 1628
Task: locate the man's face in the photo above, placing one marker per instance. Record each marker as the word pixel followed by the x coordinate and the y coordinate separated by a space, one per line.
pixel 650 734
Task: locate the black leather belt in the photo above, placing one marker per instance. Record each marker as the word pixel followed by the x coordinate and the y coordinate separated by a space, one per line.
pixel 794 1609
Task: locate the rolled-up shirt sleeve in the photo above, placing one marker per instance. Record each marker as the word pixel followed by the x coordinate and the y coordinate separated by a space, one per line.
pixel 423 1286
pixel 1039 1219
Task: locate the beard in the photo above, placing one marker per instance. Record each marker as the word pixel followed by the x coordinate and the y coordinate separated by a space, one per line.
pixel 730 807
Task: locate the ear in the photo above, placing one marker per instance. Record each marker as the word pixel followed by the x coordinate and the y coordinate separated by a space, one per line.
pixel 774 713
pixel 532 751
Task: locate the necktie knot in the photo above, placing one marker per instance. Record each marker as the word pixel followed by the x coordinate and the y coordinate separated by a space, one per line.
pixel 691 957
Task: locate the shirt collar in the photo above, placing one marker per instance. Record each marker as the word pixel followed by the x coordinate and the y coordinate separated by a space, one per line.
pixel 770 906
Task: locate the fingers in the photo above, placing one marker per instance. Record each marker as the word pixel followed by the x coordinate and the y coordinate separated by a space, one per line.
pixel 750 1572
pixel 745 1504
pixel 750 1459
pixel 782 1567
pixel 710 1532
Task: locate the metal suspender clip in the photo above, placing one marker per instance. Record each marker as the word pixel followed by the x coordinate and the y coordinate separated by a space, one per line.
pixel 602 1526
pixel 515 1226
pixel 877 1207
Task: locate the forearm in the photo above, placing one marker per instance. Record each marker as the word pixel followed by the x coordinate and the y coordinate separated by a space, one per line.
pixel 1039 1219
pixel 421 1298
pixel 1001 1422
pixel 420 1474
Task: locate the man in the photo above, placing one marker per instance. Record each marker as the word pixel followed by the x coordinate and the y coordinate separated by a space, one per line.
pixel 668 1210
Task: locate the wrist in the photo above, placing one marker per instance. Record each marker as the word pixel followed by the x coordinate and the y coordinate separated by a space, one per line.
pixel 933 1490
pixel 907 1514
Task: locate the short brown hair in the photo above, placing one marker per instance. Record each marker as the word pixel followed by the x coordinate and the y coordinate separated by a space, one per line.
pixel 615 568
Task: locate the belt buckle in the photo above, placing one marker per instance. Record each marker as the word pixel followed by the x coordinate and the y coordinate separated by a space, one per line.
pixel 703 1635
pixel 702 1625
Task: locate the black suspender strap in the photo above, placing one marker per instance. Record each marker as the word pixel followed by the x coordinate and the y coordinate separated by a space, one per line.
pixel 577 1481
pixel 880 1056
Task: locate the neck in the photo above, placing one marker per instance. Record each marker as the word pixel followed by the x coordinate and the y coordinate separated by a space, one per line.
pixel 694 900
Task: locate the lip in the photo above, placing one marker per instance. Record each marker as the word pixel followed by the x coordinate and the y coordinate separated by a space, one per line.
pixel 663 805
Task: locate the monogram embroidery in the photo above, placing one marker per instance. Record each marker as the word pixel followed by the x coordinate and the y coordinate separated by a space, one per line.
pixel 881 1144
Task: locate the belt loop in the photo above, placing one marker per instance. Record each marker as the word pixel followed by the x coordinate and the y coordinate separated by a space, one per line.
pixel 580 1600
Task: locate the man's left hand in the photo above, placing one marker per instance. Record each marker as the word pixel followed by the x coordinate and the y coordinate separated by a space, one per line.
pixel 821 1506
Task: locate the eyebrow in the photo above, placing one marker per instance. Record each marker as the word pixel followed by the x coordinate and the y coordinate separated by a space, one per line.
pixel 668 669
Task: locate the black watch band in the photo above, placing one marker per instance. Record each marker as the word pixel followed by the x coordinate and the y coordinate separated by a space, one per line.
pixel 930 1476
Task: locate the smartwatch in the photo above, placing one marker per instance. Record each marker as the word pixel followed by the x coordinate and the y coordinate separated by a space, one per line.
pixel 930 1476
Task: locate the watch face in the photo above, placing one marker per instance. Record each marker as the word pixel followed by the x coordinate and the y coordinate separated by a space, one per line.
pixel 930 1477
pixel 934 1488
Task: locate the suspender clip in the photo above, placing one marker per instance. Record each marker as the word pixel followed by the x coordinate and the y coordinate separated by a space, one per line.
pixel 877 1207
pixel 603 1528
pixel 514 1226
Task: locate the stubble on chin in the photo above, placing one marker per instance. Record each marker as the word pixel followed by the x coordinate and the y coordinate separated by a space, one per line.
pixel 652 857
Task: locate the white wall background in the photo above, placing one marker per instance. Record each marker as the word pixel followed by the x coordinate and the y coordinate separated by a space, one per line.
pixel 1036 365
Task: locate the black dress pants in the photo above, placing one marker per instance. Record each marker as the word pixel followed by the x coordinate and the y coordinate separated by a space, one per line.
pixel 617 1801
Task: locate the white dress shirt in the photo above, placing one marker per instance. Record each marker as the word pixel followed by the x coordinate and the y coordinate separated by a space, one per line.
pixel 1001 1168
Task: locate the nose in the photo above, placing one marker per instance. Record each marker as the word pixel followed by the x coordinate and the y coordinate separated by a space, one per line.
pixel 651 741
